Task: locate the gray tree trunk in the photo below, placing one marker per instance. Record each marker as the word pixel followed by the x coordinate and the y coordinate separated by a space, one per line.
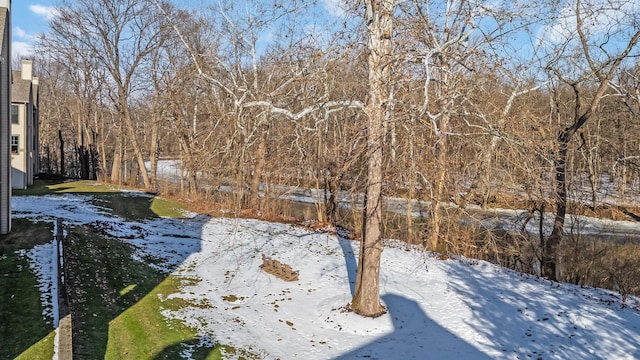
pixel 379 18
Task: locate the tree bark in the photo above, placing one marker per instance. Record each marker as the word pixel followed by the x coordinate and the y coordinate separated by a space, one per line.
pixel 116 166
pixel 62 170
pixel 411 183
pixel 137 152
pixel 379 18
pixel 153 153
pixel 550 246
pixel 261 151
pixel 103 147
pixel 438 187
pixel 188 166
pixel 84 157
pixel 333 179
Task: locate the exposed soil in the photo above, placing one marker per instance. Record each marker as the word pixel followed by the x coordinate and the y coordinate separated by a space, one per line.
pixel 26 234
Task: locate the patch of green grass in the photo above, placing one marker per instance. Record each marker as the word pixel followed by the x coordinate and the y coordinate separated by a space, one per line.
pixel 142 332
pixel 42 350
pixel 98 269
pixel 137 207
pixel 22 324
pixel 115 300
pixel 131 207
pixel 128 205
pixel 46 187
pixel 117 304
pixel 168 208
pixel 127 289
pixel 22 328
pixel 84 186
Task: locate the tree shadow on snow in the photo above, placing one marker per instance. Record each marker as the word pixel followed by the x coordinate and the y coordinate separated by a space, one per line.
pixel 113 288
pixel 187 350
pixel 529 317
pixel 112 284
pixel 350 262
pixel 412 326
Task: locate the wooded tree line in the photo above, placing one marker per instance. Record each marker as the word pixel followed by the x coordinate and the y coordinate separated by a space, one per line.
pixel 531 105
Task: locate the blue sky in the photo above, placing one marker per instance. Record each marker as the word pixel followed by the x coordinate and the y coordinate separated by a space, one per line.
pixel 28 19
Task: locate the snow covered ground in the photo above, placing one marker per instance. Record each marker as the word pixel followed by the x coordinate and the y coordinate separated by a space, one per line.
pixel 437 309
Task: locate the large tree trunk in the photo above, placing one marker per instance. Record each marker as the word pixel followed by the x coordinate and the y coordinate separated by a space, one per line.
pixel 188 166
pixel 411 179
pixel 83 152
pixel 333 179
pixel 94 155
pixel 438 188
pixel 379 17
pixel 550 246
pixel 103 147
pixel 116 166
pixel 137 152
pixel 154 153
pixel 84 140
pixel 62 169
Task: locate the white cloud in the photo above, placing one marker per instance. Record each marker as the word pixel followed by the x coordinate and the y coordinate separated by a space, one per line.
pixel 24 47
pixel 20 33
pixel 337 8
pixel 20 48
pixel 47 12
pixel 599 17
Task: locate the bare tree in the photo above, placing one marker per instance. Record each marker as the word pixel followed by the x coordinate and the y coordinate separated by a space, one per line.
pixel 379 21
pixel 119 36
pixel 259 84
pixel 82 78
pixel 624 153
pixel 584 57
pixel 450 47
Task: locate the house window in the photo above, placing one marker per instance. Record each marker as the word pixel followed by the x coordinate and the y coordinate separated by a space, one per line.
pixel 15 141
pixel 14 114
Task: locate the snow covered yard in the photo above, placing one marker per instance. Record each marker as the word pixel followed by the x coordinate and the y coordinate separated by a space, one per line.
pixel 437 309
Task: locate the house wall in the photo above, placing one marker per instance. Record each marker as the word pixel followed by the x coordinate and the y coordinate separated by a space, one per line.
pixel 36 128
pixel 5 129
pixel 29 142
pixel 24 162
pixel 19 164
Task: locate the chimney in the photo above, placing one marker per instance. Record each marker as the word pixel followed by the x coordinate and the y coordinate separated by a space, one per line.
pixel 27 69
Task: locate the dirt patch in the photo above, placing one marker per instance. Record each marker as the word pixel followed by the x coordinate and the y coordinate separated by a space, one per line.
pixel 27 234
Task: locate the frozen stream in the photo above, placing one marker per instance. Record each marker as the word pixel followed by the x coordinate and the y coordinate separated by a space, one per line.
pixel 499 219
